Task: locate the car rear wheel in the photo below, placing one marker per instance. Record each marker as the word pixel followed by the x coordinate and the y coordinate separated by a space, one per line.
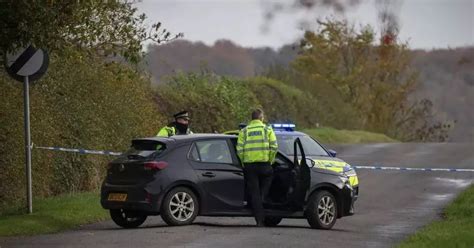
pixel 272 221
pixel 180 207
pixel 322 210
pixel 127 219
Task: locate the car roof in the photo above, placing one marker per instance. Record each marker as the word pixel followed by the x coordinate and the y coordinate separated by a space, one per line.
pixel 188 137
pixel 199 136
pixel 277 132
pixel 289 133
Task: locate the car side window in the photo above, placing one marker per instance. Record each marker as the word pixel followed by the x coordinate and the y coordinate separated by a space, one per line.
pixel 194 155
pixel 212 151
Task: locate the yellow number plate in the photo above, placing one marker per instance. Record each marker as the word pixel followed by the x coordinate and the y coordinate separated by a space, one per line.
pixel 117 197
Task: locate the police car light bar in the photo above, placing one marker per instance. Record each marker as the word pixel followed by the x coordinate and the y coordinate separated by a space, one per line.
pixel 286 126
pixel 283 125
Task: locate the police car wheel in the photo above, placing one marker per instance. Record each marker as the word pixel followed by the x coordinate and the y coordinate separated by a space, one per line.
pixel 322 210
pixel 272 221
pixel 179 207
pixel 127 219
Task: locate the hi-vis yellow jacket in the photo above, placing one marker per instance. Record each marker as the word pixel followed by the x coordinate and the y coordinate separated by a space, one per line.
pixel 257 143
pixel 169 131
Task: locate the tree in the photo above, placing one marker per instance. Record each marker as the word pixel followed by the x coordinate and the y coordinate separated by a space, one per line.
pixel 100 27
pixel 83 101
pixel 367 85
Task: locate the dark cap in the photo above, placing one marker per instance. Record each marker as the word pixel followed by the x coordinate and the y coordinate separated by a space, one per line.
pixel 183 114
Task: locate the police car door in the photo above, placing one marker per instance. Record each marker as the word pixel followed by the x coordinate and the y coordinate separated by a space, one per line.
pixel 219 174
pixel 301 177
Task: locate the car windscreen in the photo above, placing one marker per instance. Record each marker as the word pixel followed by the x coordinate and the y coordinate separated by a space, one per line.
pixel 144 149
pixel 310 146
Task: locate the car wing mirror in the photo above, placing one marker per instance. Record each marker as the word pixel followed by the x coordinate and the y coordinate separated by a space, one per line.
pixel 332 153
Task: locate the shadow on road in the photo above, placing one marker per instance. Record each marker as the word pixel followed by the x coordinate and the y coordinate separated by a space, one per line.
pixel 204 224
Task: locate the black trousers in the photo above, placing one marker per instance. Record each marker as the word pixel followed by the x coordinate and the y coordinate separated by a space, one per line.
pixel 258 179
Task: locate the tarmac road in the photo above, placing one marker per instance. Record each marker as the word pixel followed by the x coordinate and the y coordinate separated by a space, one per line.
pixel 392 205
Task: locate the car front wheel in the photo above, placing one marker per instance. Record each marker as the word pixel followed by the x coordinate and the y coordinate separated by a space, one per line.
pixel 127 219
pixel 322 210
pixel 180 207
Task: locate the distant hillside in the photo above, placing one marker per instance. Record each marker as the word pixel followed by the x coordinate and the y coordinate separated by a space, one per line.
pixel 446 76
pixel 223 58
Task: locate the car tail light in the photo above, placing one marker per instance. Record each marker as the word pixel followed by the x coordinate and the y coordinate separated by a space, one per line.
pixel 155 165
pixel 148 197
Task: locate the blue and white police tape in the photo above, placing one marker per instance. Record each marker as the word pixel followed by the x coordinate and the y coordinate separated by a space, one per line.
pixel 81 151
pixel 85 151
pixel 412 169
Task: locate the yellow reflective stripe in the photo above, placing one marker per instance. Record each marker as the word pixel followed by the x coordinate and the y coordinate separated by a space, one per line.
pixel 245 135
pixel 265 137
pixel 255 141
pixel 256 149
pixel 252 127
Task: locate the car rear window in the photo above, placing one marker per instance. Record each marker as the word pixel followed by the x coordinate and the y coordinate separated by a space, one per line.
pixel 145 148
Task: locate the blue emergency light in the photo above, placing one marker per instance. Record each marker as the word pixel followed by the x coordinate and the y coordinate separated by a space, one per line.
pixel 276 126
pixel 284 126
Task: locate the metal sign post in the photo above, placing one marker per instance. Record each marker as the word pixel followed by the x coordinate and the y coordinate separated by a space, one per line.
pixel 23 65
pixel 26 98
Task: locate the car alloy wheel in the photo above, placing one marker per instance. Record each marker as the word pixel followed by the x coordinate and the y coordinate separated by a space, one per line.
pixel 326 210
pixel 321 210
pixel 181 206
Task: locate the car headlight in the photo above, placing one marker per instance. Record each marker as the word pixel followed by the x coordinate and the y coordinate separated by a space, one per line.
pixel 344 179
pixel 349 171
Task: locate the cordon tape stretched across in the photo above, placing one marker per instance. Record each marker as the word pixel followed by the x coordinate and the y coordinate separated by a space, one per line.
pixel 412 169
pixel 81 151
pixel 87 151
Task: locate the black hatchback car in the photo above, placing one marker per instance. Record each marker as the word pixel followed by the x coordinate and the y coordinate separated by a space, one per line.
pixel 185 176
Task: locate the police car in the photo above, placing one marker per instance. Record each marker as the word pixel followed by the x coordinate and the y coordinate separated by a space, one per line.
pixel 322 158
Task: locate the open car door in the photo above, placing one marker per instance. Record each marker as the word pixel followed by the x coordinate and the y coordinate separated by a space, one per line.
pixel 301 178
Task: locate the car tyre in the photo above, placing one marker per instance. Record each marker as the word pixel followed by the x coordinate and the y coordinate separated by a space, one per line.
pixel 272 221
pixel 322 210
pixel 180 207
pixel 127 219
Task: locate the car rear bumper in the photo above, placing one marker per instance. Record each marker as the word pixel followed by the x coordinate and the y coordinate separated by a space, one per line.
pixel 138 199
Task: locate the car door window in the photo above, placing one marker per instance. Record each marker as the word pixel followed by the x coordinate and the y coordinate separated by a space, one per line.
pixel 212 151
pixel 194 155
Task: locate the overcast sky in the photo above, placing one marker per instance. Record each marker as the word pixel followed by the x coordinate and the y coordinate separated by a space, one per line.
pixel 426 24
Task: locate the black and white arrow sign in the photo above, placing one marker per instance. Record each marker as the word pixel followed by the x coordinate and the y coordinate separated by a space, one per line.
pixel 27 62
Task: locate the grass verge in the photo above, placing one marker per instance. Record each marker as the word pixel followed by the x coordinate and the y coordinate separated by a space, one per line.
pixel 455 230
pixel 54 214
pixel 329 135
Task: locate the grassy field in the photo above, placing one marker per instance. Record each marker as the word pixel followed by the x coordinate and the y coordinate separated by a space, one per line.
pixel 54 214
pixel 455 230
pixel 329 135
